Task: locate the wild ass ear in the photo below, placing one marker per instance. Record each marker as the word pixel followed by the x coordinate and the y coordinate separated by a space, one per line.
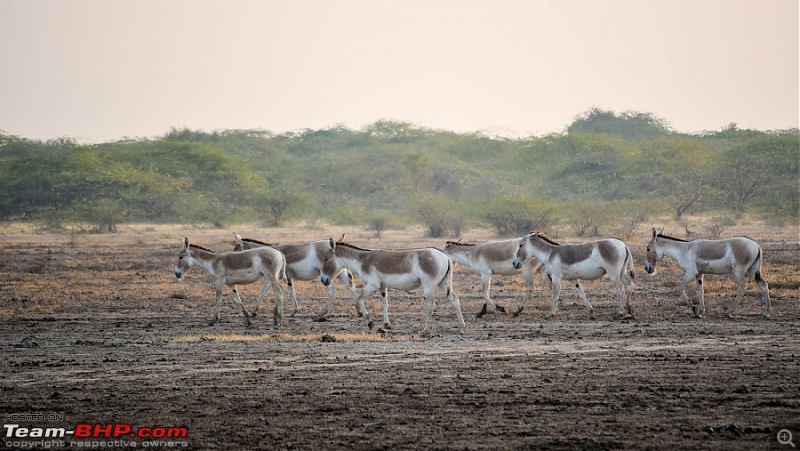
pixel 341 240
pixel 333 244
pixel 237 236
pixel 654 232
pixel 186 243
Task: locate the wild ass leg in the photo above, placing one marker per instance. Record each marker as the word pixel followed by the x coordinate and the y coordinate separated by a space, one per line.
pixel 621 298
pixel 429 305
pixel 628 293
pixel 528 275
pixel 700 308
pixel 762 285
pixel 589 307
pixel 385 308
pixel 278 292
pixel 347 278
pixel 367 291
pixel 555 291
pixel 740 291
pixel 486 285
pixel 261 293
pixel 456 303
pixel 687 277
pixel 217 302
pixel 238 301
pixel 292 295
pixel 324 312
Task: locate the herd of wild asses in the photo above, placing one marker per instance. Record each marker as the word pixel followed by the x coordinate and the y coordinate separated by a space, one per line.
pixel 427 268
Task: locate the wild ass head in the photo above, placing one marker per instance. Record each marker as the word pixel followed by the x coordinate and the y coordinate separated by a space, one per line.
pixel 329 263
pixel 654 252
pixel 185 260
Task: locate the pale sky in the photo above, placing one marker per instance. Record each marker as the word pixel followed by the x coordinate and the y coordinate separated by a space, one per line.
pixel 102 70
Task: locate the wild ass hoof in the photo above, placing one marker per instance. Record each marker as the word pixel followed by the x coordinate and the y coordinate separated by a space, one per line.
pixel 371 325
pixel 483 311
pixel 728 315
pixel 499 308
pixel 548 316
pixel 698 313
pixel 319 319
pixel 516 314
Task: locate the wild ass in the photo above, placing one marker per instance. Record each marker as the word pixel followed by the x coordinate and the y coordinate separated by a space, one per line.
pixel 304 262
pixel 739 256
pixel 402 269
pixel 494 257
pixel 576 262
pixel 232 268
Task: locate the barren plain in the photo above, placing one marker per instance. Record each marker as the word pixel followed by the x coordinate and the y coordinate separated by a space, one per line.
pixel 95 329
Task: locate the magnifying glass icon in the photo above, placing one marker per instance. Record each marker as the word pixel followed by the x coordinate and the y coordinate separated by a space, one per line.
pixel 785 437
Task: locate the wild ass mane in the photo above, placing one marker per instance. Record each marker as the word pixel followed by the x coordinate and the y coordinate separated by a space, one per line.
pixel 352 246
pixel 197 246
pixel 254 241
pixel 459 243
pixel 667 237
pixel 546 238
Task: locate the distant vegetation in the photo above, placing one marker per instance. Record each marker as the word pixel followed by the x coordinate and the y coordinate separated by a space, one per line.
pixel 605 174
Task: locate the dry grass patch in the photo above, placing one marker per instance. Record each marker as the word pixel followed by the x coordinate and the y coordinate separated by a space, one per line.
pixel 281 337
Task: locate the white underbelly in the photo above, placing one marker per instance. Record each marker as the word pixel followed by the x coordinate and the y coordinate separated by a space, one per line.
pixel 401 282
pixel 302 272
pixel 713 267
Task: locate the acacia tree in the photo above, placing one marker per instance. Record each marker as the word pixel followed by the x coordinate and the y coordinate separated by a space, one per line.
pixel 748 170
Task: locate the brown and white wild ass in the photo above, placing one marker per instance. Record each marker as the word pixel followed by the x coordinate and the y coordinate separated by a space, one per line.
pixel 400 269
pixel 232 268
pixel 586 261
pixel 739 256
pixel 304 262
pixel 494 257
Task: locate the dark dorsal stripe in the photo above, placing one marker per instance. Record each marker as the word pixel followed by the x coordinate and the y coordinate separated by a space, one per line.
pixel 458 243
pixel 341 243
pixel 543 237
pixel 201 248
pixel 667 237
pixel 251 240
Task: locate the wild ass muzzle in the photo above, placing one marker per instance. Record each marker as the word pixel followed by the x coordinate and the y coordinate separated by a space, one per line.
pixel 586 261
pixel 304 262
pixel 398 269
pixel 739 256
pixel 237 268
pixel 491 258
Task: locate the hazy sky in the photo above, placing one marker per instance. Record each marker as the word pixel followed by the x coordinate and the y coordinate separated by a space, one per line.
pixel 100 70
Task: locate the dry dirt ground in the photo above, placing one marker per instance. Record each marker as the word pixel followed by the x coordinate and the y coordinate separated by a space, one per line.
pixel 95 329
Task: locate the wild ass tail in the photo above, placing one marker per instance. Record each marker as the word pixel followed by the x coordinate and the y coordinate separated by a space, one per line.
pixel 755 268
pixel 448 278
pixel 629 265
pixel 282 272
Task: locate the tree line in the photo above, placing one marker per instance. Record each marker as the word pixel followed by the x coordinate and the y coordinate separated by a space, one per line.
pixel 605 173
